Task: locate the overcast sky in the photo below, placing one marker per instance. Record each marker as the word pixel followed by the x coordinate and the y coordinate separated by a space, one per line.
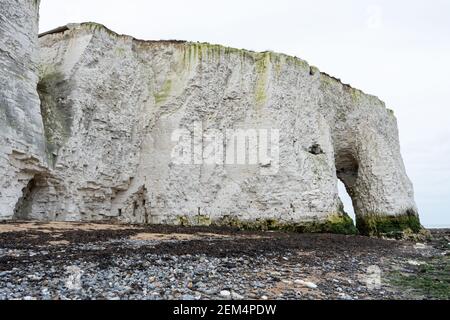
pixel 396 50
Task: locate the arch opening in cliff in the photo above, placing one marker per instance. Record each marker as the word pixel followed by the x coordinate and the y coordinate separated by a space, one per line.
pixel 347 170
pixel 347 201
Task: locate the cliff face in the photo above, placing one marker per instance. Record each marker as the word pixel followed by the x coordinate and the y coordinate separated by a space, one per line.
pixel 115 103
pixel 368 158
pixel 22 143
pixel 124 100
pixel 198 134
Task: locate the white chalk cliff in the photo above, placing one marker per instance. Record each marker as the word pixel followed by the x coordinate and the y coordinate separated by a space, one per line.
pixel 22 141
pixel 99 144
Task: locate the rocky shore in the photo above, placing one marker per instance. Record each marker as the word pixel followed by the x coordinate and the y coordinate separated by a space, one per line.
pixel 109 261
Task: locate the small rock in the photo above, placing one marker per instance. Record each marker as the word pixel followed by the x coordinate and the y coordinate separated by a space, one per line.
pixel 345 296
pixel 236 296
pixel 209 291
pixel 306 284
pixel 28 298
pixel 225 293
pixel 415 263
pixel 34 277
pixel 311 285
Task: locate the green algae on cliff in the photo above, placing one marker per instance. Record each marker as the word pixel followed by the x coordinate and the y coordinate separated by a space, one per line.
pixel 335 223
pixel 162 95
pixel 390 226
pixel 262 66
pixel 56 112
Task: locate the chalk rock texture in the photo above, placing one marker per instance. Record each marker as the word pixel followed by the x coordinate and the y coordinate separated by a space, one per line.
pixel 368 159
pixel 150 132
pixel 22 142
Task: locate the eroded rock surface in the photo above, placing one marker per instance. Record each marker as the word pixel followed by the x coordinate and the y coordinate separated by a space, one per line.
pixel 368 159
pixel 22 142
pixel 130 127
pixel 125 98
